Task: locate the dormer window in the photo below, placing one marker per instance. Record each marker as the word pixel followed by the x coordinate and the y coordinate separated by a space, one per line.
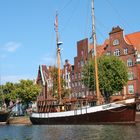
pixel 116 42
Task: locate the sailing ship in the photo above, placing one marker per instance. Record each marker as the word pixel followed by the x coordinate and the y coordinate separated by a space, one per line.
pixel 65 112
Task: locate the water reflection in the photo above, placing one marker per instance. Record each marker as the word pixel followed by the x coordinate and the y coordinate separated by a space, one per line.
pixel 70 132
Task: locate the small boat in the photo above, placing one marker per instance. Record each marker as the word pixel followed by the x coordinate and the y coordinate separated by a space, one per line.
pixel 61 112
pixel 4 116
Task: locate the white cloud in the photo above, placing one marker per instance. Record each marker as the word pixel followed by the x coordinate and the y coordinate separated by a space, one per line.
pixel 11 46
pixel 14 78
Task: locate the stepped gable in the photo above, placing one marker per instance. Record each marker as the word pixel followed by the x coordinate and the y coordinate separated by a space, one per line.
pixel 115 30
pixel 68 65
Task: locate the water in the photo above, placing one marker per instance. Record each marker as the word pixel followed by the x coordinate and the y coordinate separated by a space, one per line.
pixel 70 132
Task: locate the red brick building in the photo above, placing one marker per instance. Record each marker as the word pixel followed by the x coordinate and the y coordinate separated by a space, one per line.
pixel 45 80
pixel 83 51
pixel 127 47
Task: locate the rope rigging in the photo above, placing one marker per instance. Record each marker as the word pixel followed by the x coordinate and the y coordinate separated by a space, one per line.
pixel 124 22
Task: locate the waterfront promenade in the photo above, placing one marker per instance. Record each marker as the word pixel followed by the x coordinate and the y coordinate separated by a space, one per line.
pixel 20 120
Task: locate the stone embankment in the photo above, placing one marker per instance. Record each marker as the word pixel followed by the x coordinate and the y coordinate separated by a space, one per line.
pixel 137 119
pixel 20 120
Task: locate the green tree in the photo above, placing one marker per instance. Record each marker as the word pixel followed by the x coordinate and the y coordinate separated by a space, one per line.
pixel 54 76
pixel 27 91
pixel 112 71
pixel 8 92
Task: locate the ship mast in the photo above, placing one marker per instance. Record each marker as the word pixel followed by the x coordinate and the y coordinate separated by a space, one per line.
pixel 95 55
pixel 58 58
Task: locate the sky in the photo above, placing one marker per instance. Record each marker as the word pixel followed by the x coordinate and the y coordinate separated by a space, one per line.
pixel 27 35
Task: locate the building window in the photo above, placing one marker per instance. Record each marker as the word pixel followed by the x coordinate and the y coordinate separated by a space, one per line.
pixel 116 42
pixel 82 75
pixel 79 75
pixel 131 89
pixel 87 93
pixel 82 53
pixel 72 75
pixel 72 84
pixel 75 84
pixel 130 75
pixel 67 76
pixel 129 62
pixel 82 63
pixel 78 63
pixel 126 51
pixel 83 86
pixel 117 52
pixel 138 58
pixel 79 83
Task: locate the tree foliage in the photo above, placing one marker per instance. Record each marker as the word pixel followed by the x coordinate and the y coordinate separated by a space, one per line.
pixel 54 76
pixel 25 90
pixel 112 71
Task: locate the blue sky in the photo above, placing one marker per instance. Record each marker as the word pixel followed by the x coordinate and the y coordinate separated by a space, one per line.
pixel 27 36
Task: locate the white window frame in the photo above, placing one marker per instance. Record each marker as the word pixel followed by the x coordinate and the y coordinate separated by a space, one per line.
pixel 130 75
pixel 117 52
pixel 129 62
pixel 115 42
pixel 126 51
pixel 131 89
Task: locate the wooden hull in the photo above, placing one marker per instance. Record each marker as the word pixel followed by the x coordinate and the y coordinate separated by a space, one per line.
pixel 123 114
pixel 4 116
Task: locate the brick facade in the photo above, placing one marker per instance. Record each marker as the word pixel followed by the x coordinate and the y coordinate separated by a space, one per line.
pixel 121 45
pixel 78 89
pixel 126 47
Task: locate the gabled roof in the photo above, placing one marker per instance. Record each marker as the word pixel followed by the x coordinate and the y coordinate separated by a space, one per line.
pixel 42 73
pixel 131 39
pixel 100 48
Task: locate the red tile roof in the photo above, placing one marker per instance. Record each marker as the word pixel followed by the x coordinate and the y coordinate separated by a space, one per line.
pixel 134 39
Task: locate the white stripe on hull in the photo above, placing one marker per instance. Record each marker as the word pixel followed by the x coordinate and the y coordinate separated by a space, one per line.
pixel 83 110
